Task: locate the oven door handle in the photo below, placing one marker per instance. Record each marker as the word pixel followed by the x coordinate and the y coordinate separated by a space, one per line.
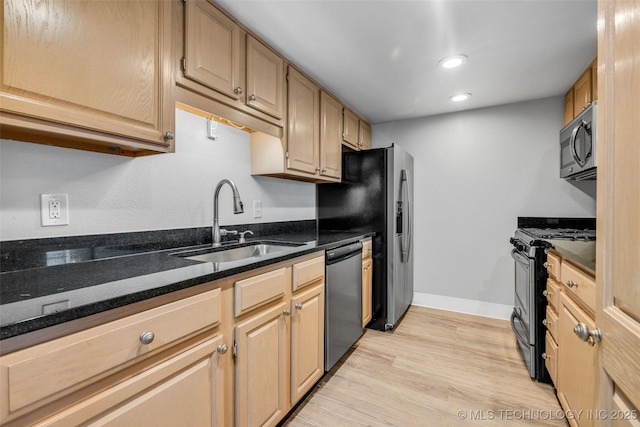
pixel 514 315
pixel 519 257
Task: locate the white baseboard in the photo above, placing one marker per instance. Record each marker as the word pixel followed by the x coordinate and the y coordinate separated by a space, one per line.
pixel 462 305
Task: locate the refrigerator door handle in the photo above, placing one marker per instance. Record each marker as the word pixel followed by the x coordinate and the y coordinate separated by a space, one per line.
pixel 406 235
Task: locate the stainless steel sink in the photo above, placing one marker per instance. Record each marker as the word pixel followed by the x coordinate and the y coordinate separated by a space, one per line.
pixel 236 253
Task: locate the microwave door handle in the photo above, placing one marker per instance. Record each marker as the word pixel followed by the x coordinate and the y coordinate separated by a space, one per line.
pixel 572 143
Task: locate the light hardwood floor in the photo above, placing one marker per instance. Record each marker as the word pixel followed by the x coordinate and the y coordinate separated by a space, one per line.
pixel 436 368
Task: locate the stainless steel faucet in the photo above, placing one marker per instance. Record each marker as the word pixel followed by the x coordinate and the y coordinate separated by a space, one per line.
pixel 237 209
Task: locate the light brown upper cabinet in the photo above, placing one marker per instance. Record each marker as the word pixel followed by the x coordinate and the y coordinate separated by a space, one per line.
pixel 312 147
pixel 265 79
pixel 356 132
pixel 212 49
pixel 330 136
pixel 582 93
pixel 303 128
pixel 88 75
pixel 364 136
pixel 350 128
pixel 227 65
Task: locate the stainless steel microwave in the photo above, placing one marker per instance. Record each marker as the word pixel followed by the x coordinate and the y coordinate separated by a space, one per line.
pixel 578 146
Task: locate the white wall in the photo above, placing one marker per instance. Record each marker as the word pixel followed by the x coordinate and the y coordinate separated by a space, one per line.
pixel 110 194
pixel 476 172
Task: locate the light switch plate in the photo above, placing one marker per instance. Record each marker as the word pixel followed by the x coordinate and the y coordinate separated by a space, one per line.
pixel 54 209
pixel 257 209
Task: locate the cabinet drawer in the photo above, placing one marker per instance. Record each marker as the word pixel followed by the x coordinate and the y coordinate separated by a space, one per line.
pixel 582 285
pixel 307 272
pixel 553 265
pixel 189 381
pixel 258 290
pixel 553 293
pixel 551 322
pixel 551 357
pixel 61 366
pixel 367 249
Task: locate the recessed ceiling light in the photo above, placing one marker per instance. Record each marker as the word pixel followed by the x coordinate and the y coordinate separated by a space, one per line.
pixel 460 97
pixel 452 61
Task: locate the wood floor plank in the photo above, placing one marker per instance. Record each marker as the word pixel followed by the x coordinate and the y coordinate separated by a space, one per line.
pixel 437 368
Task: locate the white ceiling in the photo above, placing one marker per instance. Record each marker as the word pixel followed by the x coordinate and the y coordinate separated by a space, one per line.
pixel 380 57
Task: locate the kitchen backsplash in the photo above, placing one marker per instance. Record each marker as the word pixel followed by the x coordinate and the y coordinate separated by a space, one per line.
pixel 112 194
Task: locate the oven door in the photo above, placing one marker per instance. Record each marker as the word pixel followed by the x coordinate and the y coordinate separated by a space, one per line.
pixel 521 318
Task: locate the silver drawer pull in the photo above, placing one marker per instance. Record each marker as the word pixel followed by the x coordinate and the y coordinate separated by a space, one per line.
pixel 147 337
pixel 298 306
pixel 547 265
pixel 571 283
pixel 545 356
pixel 222 348
pixel 547 293
pixel 546 323
pixel 286 312
pixel 589 336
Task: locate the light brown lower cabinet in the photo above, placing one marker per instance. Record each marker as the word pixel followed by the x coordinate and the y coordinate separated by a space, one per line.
pixel 279 346
pixel 367 282
pixel 576 362
pixel 187 389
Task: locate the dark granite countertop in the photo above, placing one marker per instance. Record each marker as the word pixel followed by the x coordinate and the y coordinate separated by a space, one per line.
pixel 94 278
pixel 583 254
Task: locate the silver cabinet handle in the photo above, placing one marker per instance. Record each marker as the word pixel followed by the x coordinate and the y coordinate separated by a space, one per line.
pixel 546 293
pixel 252 97
pixel 238 90
pixel 286 312
pixel 222 348
pixel 168 136
pixel 147 337
pixel 545 356
pixel 324 170
pixel 589 336
pixel 546 323
pixel 298 306
pixel 571 283
pixel 547 265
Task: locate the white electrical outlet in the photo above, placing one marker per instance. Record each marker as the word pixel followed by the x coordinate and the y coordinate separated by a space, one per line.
pixel 257 209
pixel 212 129
pixel 54 209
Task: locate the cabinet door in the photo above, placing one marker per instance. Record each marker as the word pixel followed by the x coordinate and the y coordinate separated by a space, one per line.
pixel 262 368
pixel 265 79
pixel 212 48
pixel 582 92
pixel 98 66
pixel 618 250
pixel 568 107
pixel 576 361
pixel 350 128
pixel 367 277
pixel 303 136
pixel 187 390
pixel 364 136
pixel 307 340
pixel 330 136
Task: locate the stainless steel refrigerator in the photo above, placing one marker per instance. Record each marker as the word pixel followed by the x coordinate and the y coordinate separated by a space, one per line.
pixel 376 194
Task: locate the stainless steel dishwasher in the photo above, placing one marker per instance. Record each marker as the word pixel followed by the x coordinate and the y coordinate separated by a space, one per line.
pixel 343 301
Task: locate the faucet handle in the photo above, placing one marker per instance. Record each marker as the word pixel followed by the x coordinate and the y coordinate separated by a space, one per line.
pixel 242 239
pixel 224 232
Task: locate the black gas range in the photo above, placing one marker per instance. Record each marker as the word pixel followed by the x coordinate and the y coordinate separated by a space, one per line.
pixel 530 241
